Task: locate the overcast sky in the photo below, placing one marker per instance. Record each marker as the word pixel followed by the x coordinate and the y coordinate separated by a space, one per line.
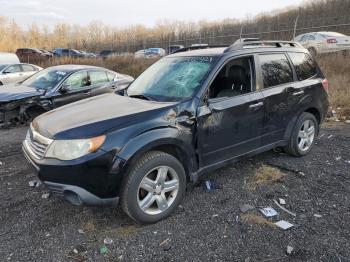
pixel 126 12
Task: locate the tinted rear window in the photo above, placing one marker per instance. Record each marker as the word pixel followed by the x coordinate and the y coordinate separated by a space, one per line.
pixel 304 65
pixel 276 70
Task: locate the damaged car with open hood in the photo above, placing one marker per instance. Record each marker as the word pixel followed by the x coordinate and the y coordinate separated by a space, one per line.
pixel 188 114
pixel 56 86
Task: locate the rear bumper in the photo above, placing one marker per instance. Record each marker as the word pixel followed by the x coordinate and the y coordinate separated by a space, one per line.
pixel 79 196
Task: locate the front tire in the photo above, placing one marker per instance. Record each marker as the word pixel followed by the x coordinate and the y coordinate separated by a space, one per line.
pixel 153 187
pixel 303 135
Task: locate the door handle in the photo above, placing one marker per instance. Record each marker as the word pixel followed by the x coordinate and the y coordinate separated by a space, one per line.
pixel 298 93
pixel 257 105
pixel 86 93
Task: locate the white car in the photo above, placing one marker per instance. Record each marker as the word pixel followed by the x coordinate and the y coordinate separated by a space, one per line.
pixel 14 73
pixel 324 42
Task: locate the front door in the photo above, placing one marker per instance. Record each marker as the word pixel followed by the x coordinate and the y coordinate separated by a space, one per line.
pixel 76 87
pixel 230 123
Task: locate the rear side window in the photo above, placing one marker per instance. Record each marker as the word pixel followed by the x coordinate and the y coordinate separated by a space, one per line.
pixel 110 76
pixel 304 65
pixel 13 69
pixel 97 77
pixel 276 70
pixel 28 68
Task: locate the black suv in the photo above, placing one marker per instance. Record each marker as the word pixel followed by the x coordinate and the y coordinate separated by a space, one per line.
pixel 189 113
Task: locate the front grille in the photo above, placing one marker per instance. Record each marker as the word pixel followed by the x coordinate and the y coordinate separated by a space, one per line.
pixel 36 144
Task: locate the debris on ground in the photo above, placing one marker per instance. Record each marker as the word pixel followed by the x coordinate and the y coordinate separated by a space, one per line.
pixel 79 249
pixel 1 163
pixel 255 219
pixel 104 250
pixel 34 183
pixel 246 207
pixel 290 250
pixel 81 231
pixel 338 158
pixel 284 224
pixel 268 212
pixel 282 201
pixel 210 186
pixel 266 175
pixel 215 215
pixel 317 215
pixel 164 242
pixel 45 196
pixel 88 227
pixel 108 241
pixel 284 209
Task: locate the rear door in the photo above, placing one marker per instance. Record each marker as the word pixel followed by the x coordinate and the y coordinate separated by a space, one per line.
pixel 74 88
pixel 100 83
pixel 27 71
pixel 276 76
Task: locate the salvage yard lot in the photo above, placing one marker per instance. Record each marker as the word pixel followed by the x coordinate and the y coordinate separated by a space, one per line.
pixel 207 226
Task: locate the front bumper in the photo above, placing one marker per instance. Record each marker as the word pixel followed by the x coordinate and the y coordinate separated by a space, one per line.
pixel 91 180
pixel 79 196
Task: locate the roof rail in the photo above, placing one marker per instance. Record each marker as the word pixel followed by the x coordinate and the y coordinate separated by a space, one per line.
pixel 254 44
pixel 189 48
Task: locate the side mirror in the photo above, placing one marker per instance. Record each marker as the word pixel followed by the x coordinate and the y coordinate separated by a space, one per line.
pixel 65 89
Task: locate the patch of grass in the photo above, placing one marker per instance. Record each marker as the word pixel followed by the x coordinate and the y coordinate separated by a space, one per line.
pixel 253 219
pixel 265 175
pixel 336 68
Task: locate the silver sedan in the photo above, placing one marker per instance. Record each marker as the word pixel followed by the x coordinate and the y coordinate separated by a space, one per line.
pixel 14 73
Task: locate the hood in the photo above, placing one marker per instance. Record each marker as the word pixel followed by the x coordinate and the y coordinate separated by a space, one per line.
pixel 95 116
pixel 12 92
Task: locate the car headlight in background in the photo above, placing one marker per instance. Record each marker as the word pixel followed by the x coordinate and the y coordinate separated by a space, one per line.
pixel 75 148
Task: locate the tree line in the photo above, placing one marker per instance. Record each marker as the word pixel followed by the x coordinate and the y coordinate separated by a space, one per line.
pixel 317 15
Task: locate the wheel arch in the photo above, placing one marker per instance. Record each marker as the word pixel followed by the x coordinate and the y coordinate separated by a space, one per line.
pixel 168 140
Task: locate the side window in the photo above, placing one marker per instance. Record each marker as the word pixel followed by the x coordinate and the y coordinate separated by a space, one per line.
pixel 97 77
pixel 111 76
pixel 235 78
pixel 13 69
pixel 77 80
pixel 28 68
pixel 276 70
pixel 311 37
pixel 304 38
pixel 304 65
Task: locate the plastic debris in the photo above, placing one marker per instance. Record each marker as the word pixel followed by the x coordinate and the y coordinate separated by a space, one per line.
pixel 284 224
pixel 79 249
pixel 347 121
pixel 268 212
pixel 108 241
pixel 317 215
pixel 1 163
pixel 246 207
pixel 210 186
pixel 34 183
pixel 330 136
pixel 215 215
pixel 282 201
pixel 81 231
pixel 163 243
pixel 45 196
pixel 285 209
pixel 104 250
pixel 338 158
pixel 290 250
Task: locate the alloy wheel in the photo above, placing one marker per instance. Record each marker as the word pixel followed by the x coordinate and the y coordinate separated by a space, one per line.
pixel 306 135
pixel 158 190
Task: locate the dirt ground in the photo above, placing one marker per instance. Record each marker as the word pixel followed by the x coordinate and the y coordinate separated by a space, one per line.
pixel 207 226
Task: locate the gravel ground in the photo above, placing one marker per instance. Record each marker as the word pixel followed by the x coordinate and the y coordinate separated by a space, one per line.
pixel 207 226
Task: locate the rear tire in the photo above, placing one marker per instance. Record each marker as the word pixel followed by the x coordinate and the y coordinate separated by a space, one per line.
pixel 153 187
pixel 303 135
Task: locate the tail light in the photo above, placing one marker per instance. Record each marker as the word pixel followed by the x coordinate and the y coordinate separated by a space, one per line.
pixel 325 84
pixel 332 41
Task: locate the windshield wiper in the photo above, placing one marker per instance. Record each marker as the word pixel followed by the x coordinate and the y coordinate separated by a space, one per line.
pixel 143 97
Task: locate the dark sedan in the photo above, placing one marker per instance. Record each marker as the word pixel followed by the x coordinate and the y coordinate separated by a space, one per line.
pixel 54 87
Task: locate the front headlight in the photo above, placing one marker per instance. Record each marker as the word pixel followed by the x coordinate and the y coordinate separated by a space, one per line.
pixel 75 148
